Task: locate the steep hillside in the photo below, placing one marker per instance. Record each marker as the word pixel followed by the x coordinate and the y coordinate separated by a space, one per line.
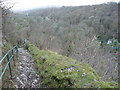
pixel 85 33
pixel 60 71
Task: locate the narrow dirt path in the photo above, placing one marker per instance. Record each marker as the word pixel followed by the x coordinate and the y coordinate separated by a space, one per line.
pixel 27 75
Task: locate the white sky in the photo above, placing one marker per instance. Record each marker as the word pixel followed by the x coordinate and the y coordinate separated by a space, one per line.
pixel 21 5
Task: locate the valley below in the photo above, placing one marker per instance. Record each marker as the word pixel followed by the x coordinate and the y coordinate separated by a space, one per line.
pixel 86 34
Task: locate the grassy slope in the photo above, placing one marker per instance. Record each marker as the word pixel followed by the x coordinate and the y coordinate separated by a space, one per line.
pixel 61 71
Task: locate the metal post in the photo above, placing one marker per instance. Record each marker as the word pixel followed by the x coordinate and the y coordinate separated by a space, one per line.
pixel 17 51
pixel 9 66
pixel 13 56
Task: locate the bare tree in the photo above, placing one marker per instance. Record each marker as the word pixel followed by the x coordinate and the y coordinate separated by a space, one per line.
pixel 4 10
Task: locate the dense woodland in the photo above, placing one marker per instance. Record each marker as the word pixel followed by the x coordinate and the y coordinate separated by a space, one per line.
pixel 86 33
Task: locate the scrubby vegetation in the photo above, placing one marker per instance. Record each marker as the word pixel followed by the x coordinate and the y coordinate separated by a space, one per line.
pixel 6 27
pixel 61 71
pixel 86 33
pixel 6 81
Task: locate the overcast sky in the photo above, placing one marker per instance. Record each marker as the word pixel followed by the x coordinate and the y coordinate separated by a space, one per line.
pixel 21 5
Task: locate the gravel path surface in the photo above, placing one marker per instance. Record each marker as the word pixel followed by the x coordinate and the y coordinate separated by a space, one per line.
pixel 27 75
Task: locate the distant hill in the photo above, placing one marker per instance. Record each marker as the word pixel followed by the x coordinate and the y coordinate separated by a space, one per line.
pixel 86 33
pixel 103 18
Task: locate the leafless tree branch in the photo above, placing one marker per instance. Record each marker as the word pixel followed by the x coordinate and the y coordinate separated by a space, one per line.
pixel 5 6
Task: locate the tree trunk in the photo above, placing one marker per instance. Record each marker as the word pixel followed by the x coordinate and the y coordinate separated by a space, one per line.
pixel 0 45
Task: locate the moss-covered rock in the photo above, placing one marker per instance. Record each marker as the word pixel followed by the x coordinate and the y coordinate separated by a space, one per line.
pixel 60 71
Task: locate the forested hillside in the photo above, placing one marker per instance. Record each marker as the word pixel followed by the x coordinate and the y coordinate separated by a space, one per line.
pixel 86 33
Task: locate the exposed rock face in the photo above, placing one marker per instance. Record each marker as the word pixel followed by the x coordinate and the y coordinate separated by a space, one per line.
pixel 27 75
